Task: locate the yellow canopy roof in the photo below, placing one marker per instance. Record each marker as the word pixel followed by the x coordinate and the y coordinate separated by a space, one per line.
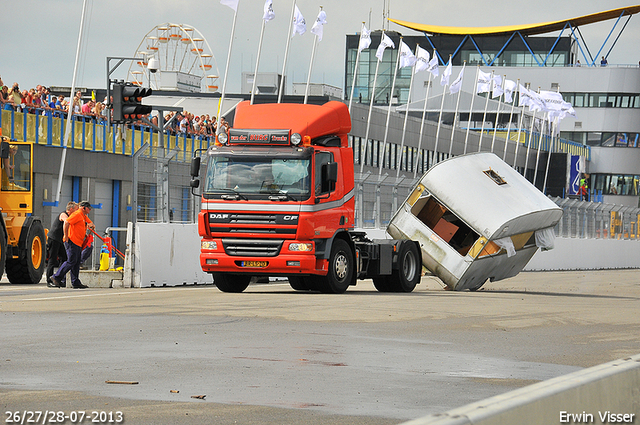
pixel 530 29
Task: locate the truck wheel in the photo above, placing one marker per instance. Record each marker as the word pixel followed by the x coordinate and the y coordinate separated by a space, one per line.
pixel 231 282
pixel 407 276
pixel 340 272
pixel 30 266
pixel 298 283
pixel 3 250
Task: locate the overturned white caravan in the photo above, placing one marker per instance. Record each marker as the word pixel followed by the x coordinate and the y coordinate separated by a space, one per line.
pixel 475 218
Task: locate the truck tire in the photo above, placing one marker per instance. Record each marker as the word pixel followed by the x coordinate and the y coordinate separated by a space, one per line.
pixel 29 267
pixel 298 283
pixel 407 275
pixel 3 249
pixel 340 271
pixel 231 282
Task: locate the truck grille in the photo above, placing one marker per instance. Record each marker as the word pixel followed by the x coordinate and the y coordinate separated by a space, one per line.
pixel 274 224
pixel 252 247
pixel 252 218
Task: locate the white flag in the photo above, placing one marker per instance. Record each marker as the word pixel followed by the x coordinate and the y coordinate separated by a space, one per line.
pixel 269 14
pixel 457 83
pixel 384 43
pixel 299 24
pixel 497 86
pixel 365 39
pixel 407 58
pixel 231 3
pixel 509 88
pixel 567 109
pixel 531 99
pixel 422 60
pixel 433 65
pixel 484 82
pixel 444 80
pixel 318 24
pixel 524 99
pixel 553 101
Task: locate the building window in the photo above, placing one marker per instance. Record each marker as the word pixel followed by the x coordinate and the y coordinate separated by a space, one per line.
pixel 147 202
pixel 616 184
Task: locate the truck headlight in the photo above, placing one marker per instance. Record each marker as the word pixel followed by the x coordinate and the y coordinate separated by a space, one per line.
pixel 301 247
pixel 296 139
pixel 212 245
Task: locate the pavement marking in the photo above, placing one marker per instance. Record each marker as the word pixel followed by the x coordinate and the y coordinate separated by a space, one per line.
pixel 137 291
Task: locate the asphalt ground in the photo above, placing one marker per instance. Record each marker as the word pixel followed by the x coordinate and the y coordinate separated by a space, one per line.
pixel 275 356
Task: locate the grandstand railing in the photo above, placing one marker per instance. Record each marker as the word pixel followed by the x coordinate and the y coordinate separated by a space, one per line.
pixel 46 127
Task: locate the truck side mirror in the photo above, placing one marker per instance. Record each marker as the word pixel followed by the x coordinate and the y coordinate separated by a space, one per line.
pixel 195 168
pixel 329 176
pixel 194 183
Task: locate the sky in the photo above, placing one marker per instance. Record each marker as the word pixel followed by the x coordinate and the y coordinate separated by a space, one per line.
pixel 40 36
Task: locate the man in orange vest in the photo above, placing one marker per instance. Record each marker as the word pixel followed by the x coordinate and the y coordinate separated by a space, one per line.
pixel 75 232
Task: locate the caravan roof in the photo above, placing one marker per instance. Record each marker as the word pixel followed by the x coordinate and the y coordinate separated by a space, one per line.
pixel 493 199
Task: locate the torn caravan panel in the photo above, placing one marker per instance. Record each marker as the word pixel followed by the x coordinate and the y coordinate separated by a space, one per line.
pixel 475 218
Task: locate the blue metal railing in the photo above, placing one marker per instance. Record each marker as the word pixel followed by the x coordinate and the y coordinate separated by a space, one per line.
pixel 47 127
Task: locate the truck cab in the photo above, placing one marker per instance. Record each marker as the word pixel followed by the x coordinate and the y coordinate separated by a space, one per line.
pixel 278 198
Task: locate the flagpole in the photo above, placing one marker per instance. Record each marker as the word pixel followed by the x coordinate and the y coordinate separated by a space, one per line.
pixel 424 112
pixel 386 126
pixel 495 125
pixel 535 171
pixel 515 158
pixel 67 130
pixel 286 53
pixel 526 161
pixel 455 115
pixel 226 69
pixel 406 114
pixel 444 90
pixel 366 135
pixel 355 72
pixel 255 73
pixel 553 135
pixel 484 116
pixel 513 104
pixel 313 53
pixel 473 96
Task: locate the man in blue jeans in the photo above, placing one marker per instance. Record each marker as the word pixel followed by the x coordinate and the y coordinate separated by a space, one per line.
pixel 75 231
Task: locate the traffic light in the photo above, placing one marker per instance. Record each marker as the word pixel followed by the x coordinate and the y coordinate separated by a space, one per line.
pixel 126 102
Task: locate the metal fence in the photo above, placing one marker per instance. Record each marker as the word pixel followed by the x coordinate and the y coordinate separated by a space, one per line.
pixel 593 220
pixel 161 186
pixel 162 192
pixel 378 197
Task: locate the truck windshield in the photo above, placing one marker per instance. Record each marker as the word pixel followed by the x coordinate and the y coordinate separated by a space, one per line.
pixel 258 177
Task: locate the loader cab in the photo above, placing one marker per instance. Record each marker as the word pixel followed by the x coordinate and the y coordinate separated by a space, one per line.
pixel 22 236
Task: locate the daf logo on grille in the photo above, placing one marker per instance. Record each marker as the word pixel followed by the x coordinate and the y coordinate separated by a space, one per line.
pixel 215 216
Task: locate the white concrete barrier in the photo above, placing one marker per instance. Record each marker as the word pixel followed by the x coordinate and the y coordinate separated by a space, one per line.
pixel 587 254
pixel 608 393
pixel 168 254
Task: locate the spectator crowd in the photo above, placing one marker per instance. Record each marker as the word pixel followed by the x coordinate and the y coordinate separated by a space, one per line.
pixel 41 100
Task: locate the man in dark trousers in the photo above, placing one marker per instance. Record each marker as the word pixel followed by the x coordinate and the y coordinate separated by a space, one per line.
pixel 56 253
pixel 75 232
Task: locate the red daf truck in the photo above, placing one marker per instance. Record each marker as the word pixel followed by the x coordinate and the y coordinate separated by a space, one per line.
pixel 278 200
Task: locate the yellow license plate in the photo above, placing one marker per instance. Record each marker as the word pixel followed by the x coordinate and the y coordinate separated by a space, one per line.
pixel 255 263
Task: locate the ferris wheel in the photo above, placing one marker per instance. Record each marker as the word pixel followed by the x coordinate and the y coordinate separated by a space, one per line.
pixel 181 56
